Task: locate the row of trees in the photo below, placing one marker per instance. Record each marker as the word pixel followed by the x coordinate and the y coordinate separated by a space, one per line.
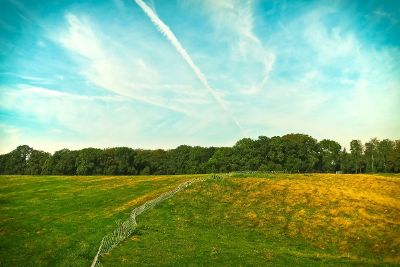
pixel 290 153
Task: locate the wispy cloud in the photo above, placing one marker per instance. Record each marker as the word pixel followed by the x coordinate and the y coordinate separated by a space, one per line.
pixel 122 74
pixel 83 116
pixel 166 31
pixel 234 22
pixel 99 121
pixel 27 14
pixel 25 77
pixel 328 74
pixel 108 77
pixel 9 137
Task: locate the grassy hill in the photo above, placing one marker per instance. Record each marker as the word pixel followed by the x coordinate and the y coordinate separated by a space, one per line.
pixel 275 219
pixel 279 220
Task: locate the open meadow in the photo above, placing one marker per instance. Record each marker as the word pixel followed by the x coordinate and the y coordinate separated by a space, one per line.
pixel 234 220
pixel 199 133
pixel 60 220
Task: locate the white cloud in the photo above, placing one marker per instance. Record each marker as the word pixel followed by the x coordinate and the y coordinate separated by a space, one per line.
pixel 325 81
pixel 234 22
pixel 121 71
pixel 166 31
pixel 27 13
pixel 333 85
pixel 93 119
pixel 76 121
pixel 10 136
pixel 82 114
pixel 329 44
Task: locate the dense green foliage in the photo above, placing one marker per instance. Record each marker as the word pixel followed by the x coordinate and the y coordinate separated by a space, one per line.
pixel 289 153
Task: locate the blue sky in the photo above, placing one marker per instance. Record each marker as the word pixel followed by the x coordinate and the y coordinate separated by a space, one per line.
pixel 157 74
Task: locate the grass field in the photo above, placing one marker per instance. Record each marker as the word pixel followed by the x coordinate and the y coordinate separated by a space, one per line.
pixel 266 219
pixel 60 220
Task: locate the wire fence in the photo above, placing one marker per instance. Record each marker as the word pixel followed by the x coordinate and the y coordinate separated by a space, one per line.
pixel 127 227
pixel 257 172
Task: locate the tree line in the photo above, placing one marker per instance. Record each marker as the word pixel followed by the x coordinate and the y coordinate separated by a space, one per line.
pixel 289 153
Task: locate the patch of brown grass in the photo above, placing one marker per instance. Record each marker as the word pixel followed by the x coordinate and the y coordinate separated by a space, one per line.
pixel 353 214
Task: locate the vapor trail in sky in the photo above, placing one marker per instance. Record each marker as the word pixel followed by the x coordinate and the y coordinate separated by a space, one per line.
pixel 166 31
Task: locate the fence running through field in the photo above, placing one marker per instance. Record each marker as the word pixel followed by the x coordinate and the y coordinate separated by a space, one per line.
pixel 126 228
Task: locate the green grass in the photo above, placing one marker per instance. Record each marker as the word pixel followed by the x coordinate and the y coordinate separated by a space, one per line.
pixel 60 220
pixel 265 219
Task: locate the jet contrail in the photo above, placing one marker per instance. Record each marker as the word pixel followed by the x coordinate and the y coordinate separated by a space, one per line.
pixel 166 31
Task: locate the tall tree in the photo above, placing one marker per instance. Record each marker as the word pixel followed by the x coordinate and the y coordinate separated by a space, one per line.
pixel 371 154
pixel 245 155
pixel 88 161
pixel 301 152
pixel 151 161
pixel 62 163
pixel 15 162
pixel 394 157
pixel 385 148
pixel 36 161
pixel 356 152
pixel 291 152
pixel 276 154
pixel 330 155
pixel 262 145
pixel 119 161
pixel 345 161
pixel 221 160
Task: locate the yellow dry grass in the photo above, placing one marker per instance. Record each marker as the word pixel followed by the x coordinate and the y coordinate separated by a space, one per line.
pixel 141 199
pixel 353 214
pixel 138 200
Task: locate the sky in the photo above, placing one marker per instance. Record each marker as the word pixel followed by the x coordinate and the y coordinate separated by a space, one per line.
pixel 158 74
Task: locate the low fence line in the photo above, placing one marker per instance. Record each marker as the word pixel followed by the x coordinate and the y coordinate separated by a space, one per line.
pixel 255 172
pixel 126 228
